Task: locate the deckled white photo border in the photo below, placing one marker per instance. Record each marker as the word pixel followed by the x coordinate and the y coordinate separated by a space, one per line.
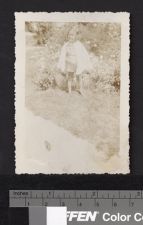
pixel 20 18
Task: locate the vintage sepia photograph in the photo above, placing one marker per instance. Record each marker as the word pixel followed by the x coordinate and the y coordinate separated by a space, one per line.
pixel 72 93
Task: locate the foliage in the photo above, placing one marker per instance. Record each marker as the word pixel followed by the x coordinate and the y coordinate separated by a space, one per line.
pixel 102 40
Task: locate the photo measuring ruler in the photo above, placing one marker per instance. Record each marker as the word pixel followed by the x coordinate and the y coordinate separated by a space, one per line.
pixel 123 207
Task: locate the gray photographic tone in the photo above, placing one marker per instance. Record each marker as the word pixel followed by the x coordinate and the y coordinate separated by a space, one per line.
pixel 72 97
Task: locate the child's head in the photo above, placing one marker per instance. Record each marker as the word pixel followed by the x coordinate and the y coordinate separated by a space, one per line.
pixel 72 35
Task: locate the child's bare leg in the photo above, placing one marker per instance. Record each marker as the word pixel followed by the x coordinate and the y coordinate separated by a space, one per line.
pixel 80 84
pixel 69 86
pixel 70 77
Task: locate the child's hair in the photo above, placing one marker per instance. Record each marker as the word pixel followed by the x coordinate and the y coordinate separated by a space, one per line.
pixel 73 30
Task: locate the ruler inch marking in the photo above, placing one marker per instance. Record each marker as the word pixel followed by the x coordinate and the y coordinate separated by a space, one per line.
pixel 42 199
pixel 25 201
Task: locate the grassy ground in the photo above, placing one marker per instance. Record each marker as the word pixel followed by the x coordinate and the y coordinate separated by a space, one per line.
pixel 91 117
pixel 94 116
pixel 87 117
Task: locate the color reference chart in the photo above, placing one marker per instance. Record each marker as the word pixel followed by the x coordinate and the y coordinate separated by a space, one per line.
pixel 54 207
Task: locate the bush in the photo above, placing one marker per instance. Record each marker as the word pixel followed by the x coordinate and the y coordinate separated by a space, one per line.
pixel 45 81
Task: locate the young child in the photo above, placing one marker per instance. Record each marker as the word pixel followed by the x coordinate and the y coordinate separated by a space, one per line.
pixel 73 61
